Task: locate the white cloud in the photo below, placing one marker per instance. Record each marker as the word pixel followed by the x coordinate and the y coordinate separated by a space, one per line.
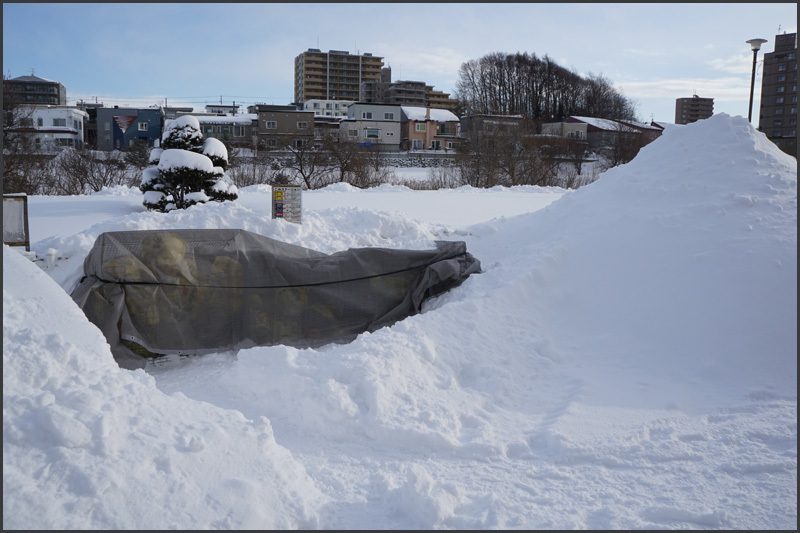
pixel 738 64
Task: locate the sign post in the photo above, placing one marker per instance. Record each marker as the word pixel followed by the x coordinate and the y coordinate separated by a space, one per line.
pixel 15 220
pixel 287 202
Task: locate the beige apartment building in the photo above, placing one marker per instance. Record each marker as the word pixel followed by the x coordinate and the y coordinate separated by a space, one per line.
pixel 333 75
pixel 688 110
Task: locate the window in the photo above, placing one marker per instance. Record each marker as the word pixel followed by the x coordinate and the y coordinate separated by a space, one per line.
pixel 776 133
pixel 781 68
pixel 436 145
pixel 793 122
pixel 452 145
pixel 420 127
pixel 792 133
pixel 388 116
pixel 781 89
pixel 302 125
pixel 40 122
pixel 316 105
pixel 782 77
pixel 352 133
pixel 271 125
pixel 444 128
pixel 238 131
pixel 372 133
pixel 416 144
pixel 65 142
pixel 779 100
pixel 793 111
pixel 299 143
pixel 778 122
pixel 143 126
pixel 779 111
pixel 60 122
pixel 272 143
pixel 366 114
pixel 794 99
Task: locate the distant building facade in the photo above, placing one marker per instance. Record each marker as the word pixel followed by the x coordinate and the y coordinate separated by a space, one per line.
pixel 333 75
pixel 119 127
pixel 407 93
pixel 33 90
pixel 688 110
pixel 52 128
pixel 327 108
pixel 373 126
pixel 778 115
pixel 282 126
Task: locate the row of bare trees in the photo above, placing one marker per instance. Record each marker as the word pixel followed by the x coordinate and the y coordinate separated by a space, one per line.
pixel 536 88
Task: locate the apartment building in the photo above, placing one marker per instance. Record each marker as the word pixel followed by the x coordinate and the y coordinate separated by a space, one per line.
pixel 405 92
pixel 333 75
pixel 688 110
pixel 34 90
pixel 778 115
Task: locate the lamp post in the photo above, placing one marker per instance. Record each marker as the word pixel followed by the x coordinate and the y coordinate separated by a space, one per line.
pixel 755 46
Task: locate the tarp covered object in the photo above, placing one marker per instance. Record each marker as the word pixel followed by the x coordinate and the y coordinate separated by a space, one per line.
pixel 195 291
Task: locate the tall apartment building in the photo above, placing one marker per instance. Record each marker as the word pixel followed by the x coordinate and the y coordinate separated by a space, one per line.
pixel 34 90
pixel 333 75
pixel 778 115
pixel 692 109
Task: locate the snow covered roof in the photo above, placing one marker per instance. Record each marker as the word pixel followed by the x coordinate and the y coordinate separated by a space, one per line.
pixel 605 124
pixel 420 114
pixel 32 79
pixel 226 119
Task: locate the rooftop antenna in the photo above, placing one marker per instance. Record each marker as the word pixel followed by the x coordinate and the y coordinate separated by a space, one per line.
pixel 33 71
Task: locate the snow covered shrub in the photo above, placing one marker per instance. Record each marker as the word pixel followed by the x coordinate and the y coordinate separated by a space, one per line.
pixel 186 170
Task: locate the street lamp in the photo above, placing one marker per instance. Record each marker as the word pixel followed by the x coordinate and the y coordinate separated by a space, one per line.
pixel 755 46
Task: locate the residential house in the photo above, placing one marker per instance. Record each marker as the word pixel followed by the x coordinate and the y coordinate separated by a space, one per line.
pixel 282 126
pixel 566 130
pixel 489 123
pixel 240 131
pixel 373 126
pixel 423 128
pixel 650 132
pixel 52 128
pixel 119 127
pixel 90 125
pixel 602 132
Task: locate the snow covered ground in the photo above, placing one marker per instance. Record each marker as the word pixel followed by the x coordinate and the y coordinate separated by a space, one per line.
pixel 627 359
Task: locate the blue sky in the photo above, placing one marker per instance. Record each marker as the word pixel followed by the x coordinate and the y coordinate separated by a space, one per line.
pixel 198 53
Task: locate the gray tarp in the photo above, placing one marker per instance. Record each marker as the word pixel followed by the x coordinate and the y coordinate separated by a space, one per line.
pixel 194 291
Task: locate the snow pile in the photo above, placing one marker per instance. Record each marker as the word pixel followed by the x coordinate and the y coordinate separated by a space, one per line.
pixel 627 360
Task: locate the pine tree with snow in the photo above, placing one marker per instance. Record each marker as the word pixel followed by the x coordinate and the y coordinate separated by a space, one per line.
pixel 186 170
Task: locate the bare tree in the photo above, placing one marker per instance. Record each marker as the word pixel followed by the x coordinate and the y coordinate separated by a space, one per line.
pixel 84 172
pixel 310 164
